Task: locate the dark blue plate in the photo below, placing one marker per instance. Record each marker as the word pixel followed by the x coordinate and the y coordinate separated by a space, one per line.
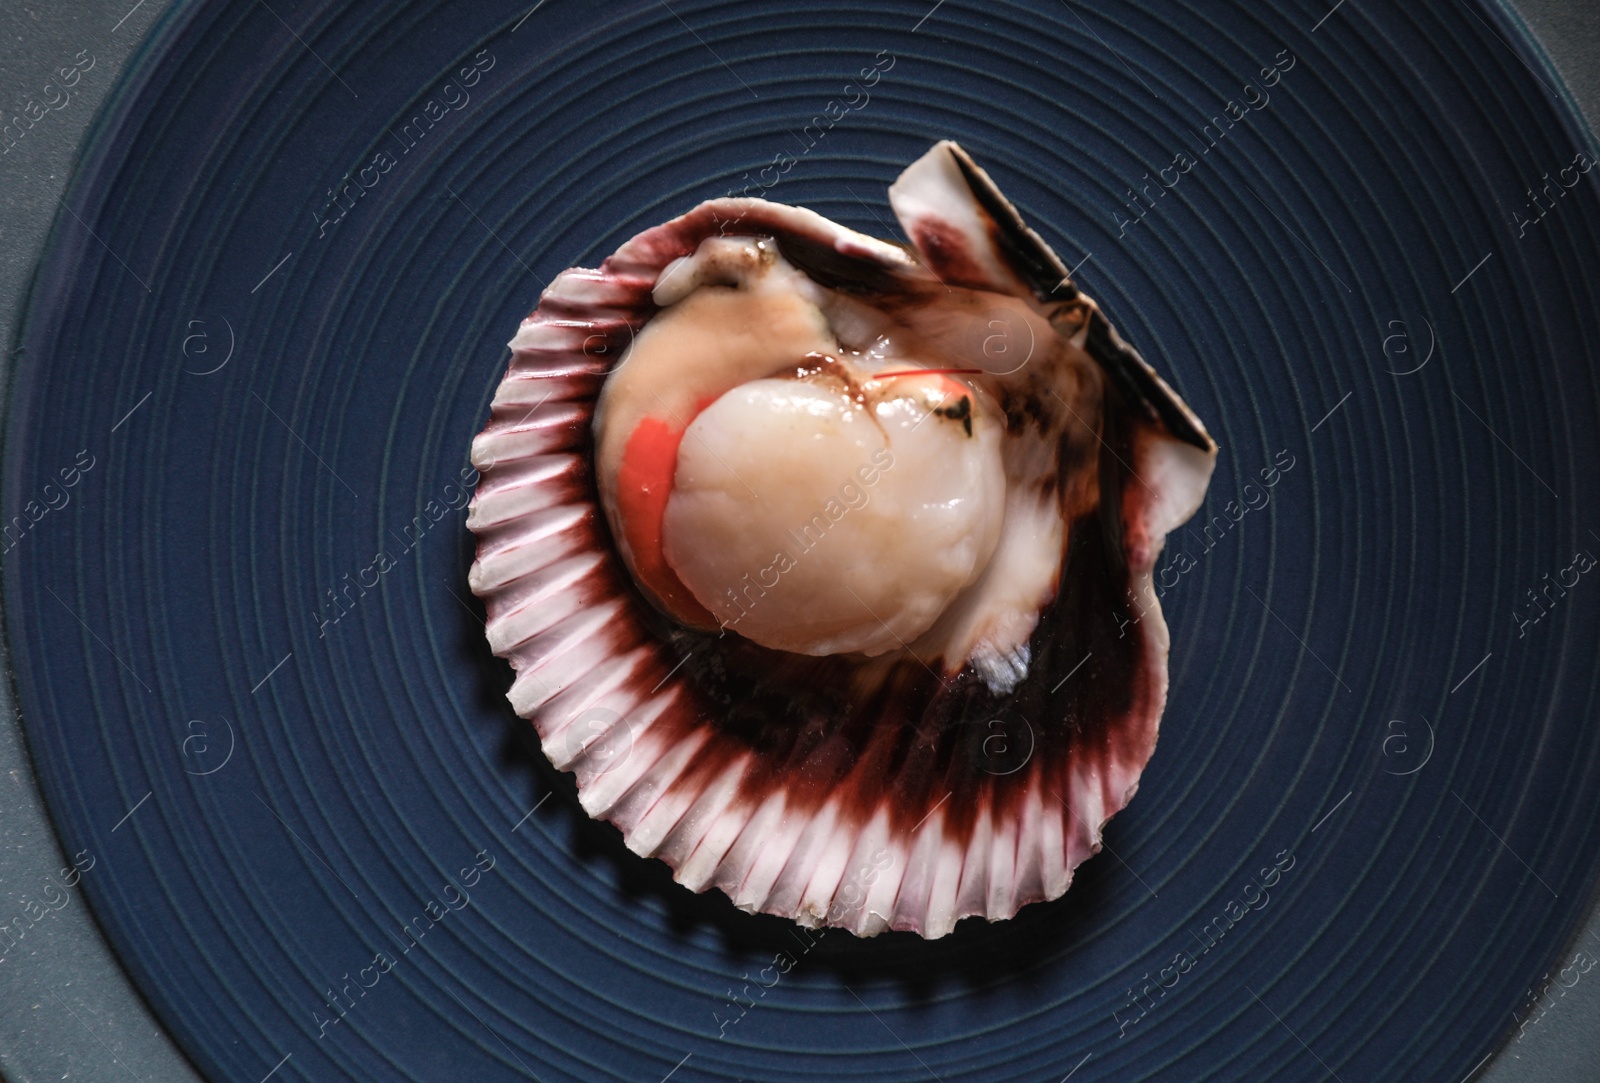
pixel 1362 243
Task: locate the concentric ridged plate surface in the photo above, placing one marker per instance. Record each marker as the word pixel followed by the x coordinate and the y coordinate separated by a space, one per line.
pixel 1374 276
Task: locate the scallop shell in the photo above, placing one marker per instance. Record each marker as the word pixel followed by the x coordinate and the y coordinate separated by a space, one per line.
pixel 866 795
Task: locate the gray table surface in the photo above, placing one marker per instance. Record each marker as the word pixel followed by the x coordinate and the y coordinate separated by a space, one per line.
pixel 67 1010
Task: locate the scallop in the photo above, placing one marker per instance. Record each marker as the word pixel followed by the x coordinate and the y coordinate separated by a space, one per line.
pixel 825 563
